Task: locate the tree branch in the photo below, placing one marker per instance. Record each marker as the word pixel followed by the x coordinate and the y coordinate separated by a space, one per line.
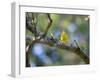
pixel 33 28
pixel 47 29
pixel 58 44
pixel 49 24
pixel 31 25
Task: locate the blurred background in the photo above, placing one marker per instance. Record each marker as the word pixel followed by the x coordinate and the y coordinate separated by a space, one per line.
pixel 75 26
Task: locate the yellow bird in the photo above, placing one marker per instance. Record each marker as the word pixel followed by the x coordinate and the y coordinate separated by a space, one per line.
pixel 64 36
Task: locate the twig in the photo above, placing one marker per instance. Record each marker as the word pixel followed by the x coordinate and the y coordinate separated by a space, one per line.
pixel 49 25
pixel 31 24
